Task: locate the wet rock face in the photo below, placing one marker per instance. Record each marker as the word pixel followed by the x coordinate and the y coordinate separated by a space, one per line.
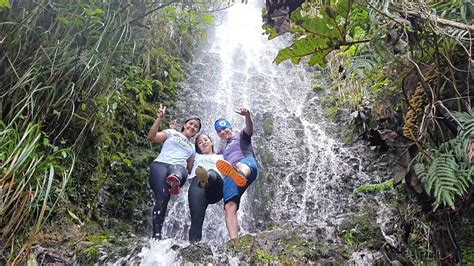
pixel 362 230
pixel 197 253
pixel 287 246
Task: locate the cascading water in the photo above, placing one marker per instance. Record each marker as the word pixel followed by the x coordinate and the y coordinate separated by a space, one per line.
pixel 302 169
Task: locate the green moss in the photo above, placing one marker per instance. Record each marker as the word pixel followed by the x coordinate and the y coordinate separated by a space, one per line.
pixel 362 230
pixel 347 136
pixel 387 185
pixel 318 87
pixel 268 126
pixel 90 254
pixel 241 244
pixel 332 112
pixel 267 157
pixel 262 256
pixel 350 239
pixel 466 244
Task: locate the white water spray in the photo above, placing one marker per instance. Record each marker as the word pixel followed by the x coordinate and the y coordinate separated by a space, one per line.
pixel 300 166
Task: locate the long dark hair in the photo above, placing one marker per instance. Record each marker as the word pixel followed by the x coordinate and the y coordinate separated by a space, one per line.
pixel 192 118
pixel 198 150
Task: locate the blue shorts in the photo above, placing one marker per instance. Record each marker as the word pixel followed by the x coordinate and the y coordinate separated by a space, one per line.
pixel 231 191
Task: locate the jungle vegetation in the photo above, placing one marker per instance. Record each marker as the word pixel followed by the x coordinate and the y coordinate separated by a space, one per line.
pixel 80 81
pixel 404 71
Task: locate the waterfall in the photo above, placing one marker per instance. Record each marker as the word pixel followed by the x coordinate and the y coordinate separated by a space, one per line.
pixel 302 168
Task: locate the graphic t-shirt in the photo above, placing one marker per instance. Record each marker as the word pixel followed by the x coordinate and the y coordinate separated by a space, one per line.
pixel 207 161
pixel 176 149
pixel 238 147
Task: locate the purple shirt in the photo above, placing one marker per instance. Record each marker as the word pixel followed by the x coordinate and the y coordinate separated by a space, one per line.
pixel 238 147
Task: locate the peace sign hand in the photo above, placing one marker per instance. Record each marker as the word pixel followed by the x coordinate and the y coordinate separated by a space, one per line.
pixel 160 113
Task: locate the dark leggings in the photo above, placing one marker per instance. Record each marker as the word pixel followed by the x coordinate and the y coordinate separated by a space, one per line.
pixel 199 198
pixel 158 173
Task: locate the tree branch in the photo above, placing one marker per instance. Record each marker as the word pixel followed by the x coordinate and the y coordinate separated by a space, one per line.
pixel 440 21
pixel 152 10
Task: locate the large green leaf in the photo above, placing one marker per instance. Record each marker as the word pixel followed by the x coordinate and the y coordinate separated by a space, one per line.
pixel 5 4
pixel 301 48
pixel 321 28
pixel 322 25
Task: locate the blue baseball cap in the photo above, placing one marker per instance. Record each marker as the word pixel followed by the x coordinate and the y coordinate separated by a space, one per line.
pixel 222 123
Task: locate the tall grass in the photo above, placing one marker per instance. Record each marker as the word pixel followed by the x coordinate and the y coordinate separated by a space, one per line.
pixel 59 57
pixel 34 175
pixel 71 71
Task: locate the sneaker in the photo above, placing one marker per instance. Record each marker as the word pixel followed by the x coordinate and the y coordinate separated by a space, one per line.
pixel 173 182
pixel 202 176
pixel 228 169
pixel 156 236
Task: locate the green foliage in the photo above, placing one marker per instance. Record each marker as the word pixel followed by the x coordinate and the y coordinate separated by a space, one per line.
pixel 5 4
pixel 268 126
pixel 262 256
pixel 447 172
pixel 34 175
pixel 361 231
pixel 320 28
pixel 90 73
pixel 96 243
pixel 375 187
pixel 418 247
pixel 466 245
pixel 350 239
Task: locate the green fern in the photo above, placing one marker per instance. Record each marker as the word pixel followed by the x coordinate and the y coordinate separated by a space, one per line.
pixel 446 172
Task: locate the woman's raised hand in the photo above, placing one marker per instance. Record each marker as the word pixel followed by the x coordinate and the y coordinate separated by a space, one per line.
pixel 160 113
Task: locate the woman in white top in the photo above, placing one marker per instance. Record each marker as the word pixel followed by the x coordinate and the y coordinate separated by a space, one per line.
pixel 169 171
pixel 206 188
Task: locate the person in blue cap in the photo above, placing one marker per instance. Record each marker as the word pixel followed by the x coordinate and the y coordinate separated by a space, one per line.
pixel 169 171
pixel 239 166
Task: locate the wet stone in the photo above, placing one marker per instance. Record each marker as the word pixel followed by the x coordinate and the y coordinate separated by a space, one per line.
pixel 197 253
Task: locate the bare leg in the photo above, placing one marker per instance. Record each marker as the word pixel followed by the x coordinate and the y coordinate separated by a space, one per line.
pixel 231 219
pixel 245 169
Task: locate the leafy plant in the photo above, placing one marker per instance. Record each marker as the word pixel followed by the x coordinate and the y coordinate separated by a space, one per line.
pixel 88 74
pixel 320 28
pixel 5 4
pixel 447 172
pixel 34 176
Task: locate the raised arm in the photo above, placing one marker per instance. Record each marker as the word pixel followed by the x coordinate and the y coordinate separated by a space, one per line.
pixel 248 120
pixel 154 134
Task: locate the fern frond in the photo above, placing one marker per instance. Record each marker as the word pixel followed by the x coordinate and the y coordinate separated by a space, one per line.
pixel 360 62
pixel 446 172
pixel 467 122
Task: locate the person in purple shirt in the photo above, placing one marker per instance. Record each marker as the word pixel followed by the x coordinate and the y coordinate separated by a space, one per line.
pixel 239 166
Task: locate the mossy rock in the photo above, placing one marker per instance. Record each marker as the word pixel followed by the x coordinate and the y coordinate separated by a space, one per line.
pixel 332 112
pixel 197 253
pixel 241 244
pixel 318 87
pixel 268 126
pixel 267 157
pixel 362 231
pixel 347 136
pixel 285 246
pixel 263 256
